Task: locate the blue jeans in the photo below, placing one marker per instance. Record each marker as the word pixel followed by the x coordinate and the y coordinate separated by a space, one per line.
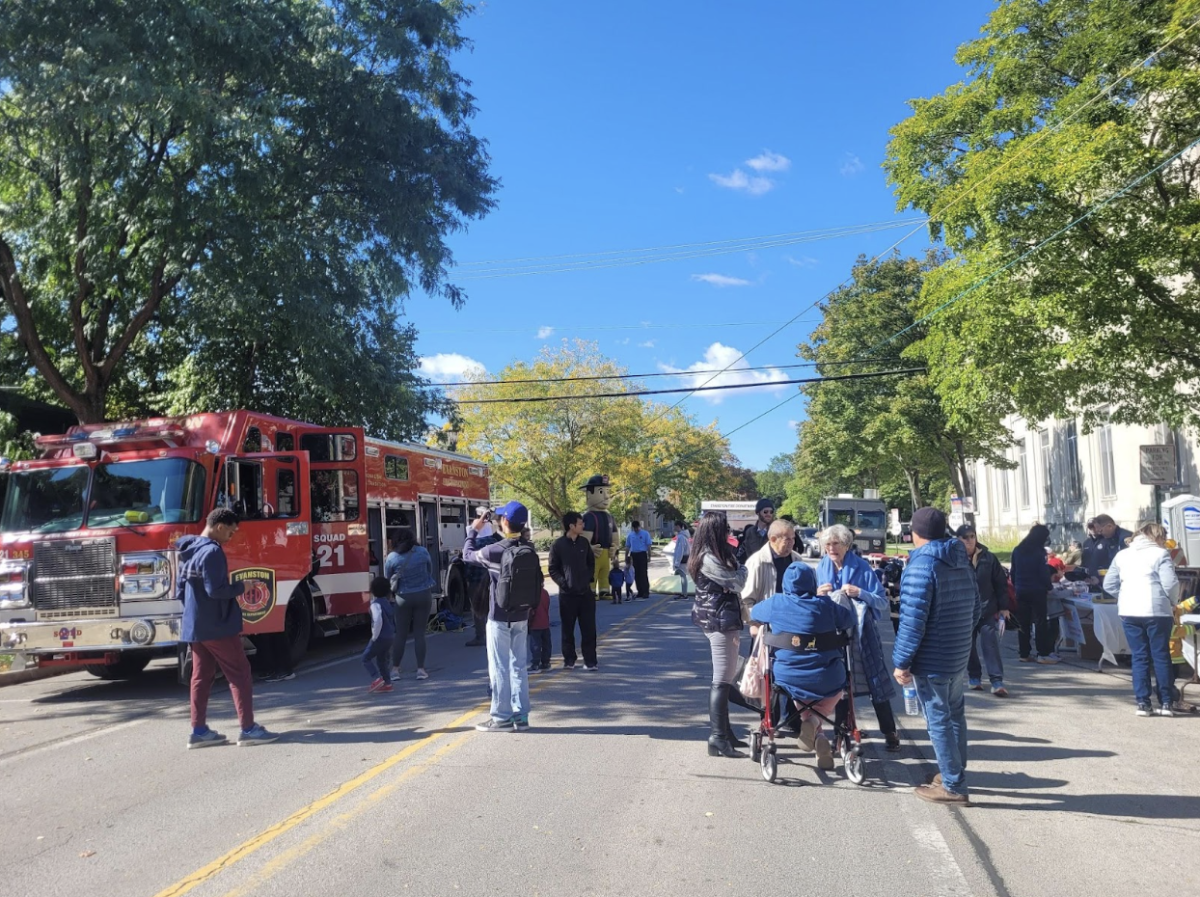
pixel 941 698
pixel 376 658
pixel 1150 645
pixel 987 637
pixel 508 648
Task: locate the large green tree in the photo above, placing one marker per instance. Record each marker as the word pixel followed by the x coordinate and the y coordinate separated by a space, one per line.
pixel 222 202
pixel 879 431
pixel 545 450
pixel 1058 111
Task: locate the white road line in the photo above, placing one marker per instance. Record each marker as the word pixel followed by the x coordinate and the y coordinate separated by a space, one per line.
pixel 71 740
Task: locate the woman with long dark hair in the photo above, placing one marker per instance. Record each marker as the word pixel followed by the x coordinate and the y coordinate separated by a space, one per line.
pixel 1032 580
pixel 717 610
pixel 409 569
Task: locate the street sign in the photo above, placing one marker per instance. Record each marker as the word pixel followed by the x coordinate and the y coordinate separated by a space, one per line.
pixel 1157 464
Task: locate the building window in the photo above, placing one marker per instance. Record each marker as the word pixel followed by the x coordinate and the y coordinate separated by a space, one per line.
pixel 1074 474
pixel 1047 461
pixel 1108 466
pixel 1023 471
pixel 1005 489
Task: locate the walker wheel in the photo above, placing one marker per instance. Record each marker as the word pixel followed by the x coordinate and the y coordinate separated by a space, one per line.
pixel 768 763
pixel 755 746
pixel 855 765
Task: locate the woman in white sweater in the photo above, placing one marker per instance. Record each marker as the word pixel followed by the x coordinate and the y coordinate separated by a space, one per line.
pixel 1142 577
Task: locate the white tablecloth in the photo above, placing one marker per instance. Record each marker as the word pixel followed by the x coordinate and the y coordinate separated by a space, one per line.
pixel 1189 644
pixel 1107 627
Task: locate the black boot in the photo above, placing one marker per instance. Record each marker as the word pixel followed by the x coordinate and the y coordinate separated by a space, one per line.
pixel 719 744
pixel 733 739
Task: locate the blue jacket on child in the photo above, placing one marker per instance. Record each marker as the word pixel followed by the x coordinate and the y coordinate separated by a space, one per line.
pixel 807 675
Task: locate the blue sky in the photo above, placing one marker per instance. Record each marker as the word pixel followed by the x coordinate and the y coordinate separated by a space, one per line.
pixel 637 126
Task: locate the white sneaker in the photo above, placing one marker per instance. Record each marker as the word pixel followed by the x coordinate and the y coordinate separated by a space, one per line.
pixel 421 674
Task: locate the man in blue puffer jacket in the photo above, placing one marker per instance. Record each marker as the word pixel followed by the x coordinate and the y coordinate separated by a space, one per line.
pixel 939 608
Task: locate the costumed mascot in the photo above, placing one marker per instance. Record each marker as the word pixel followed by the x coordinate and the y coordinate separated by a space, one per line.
pixel 600 530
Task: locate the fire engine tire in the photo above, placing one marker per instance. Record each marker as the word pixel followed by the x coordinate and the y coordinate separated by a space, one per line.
pixel 125 668
pixel 298 623
pixel 457 601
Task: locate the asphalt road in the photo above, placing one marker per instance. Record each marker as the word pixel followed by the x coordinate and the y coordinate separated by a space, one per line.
pixel 610 793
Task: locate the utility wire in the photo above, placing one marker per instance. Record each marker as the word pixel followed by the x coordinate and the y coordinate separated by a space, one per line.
pixel 687 373
pixel 599 263
pixel 658 392
pixel 590 327
pixel 1050 239
pixel 940 214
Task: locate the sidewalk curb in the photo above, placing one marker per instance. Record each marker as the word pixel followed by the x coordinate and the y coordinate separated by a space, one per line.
pixel 34 675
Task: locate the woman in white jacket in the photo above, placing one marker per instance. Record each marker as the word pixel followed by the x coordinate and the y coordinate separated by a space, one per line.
pixel 1142 577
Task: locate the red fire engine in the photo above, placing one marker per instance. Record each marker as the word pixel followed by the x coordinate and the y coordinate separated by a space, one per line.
pixel 87 531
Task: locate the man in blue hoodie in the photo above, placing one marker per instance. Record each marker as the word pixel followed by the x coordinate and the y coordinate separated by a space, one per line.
pixel 212 624
pixel 939 608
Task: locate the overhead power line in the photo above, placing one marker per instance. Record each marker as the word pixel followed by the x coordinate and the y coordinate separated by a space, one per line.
pixel 939 214
pixel 680 252
pixel 685 373
pixel 658 392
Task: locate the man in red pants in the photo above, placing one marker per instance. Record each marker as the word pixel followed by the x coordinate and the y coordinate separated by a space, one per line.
pixel 212 623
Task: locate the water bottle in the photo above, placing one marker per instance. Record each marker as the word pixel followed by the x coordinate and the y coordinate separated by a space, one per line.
pixel 911 706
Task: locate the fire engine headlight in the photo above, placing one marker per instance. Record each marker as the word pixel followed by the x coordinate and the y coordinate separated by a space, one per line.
pixel 141 632
pixel 145 575
pixel 13 594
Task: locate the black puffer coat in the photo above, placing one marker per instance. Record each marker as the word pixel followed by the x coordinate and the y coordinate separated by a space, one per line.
pixel 718 603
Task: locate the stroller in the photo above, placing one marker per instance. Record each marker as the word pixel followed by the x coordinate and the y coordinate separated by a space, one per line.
pixel 846 741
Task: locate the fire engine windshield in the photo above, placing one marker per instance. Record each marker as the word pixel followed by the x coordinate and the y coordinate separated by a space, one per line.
pixel 47 500
pixel 121 493
pixel 165 490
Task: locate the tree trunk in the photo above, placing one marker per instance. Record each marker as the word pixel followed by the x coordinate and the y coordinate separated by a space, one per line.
pixel 913 475
pixel 965 481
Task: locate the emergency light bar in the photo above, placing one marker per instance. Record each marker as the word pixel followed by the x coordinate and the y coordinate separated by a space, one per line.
pixel 169 435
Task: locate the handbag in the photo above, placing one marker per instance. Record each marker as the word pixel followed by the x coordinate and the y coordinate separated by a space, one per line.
pixel 751 682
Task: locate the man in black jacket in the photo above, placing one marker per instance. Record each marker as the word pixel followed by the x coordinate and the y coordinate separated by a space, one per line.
pixel 1100 549
pixel 507 630
pixel 993 601
pixel 572 566
pixel 754 536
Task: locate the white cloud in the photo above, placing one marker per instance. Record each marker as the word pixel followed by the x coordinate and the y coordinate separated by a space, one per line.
pixel 803 262
pixel 545 332
pixel 721 280
pixel 851 165
pixel 718 357
pixel 648 344
pixel 447 366
pixel 769 161
pixel 739 180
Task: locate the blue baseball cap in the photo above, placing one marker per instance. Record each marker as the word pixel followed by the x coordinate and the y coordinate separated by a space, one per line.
pixel 515 513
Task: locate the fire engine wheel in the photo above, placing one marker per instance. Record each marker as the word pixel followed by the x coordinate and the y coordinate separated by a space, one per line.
pixel 298 623
pixel 457 601
pixel 125 668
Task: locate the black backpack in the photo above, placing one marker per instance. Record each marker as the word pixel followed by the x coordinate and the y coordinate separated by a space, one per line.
pixel 519 586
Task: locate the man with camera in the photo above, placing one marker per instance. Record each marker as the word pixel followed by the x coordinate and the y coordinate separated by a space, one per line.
pixel 515 579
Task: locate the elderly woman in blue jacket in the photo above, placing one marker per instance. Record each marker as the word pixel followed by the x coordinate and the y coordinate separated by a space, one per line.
pixel 842 570
pixel 809 676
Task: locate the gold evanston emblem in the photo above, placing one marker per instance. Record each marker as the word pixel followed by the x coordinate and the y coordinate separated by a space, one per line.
pixel 259 598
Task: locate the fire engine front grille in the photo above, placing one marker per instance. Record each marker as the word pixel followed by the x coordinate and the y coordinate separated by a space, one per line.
pixel 73 574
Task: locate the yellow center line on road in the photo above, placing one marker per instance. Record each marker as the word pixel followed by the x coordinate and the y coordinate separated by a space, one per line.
pixel 339 822
pixel 239 853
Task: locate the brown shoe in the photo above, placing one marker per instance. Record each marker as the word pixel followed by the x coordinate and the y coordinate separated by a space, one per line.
pixel 935 779
pixel 936 794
